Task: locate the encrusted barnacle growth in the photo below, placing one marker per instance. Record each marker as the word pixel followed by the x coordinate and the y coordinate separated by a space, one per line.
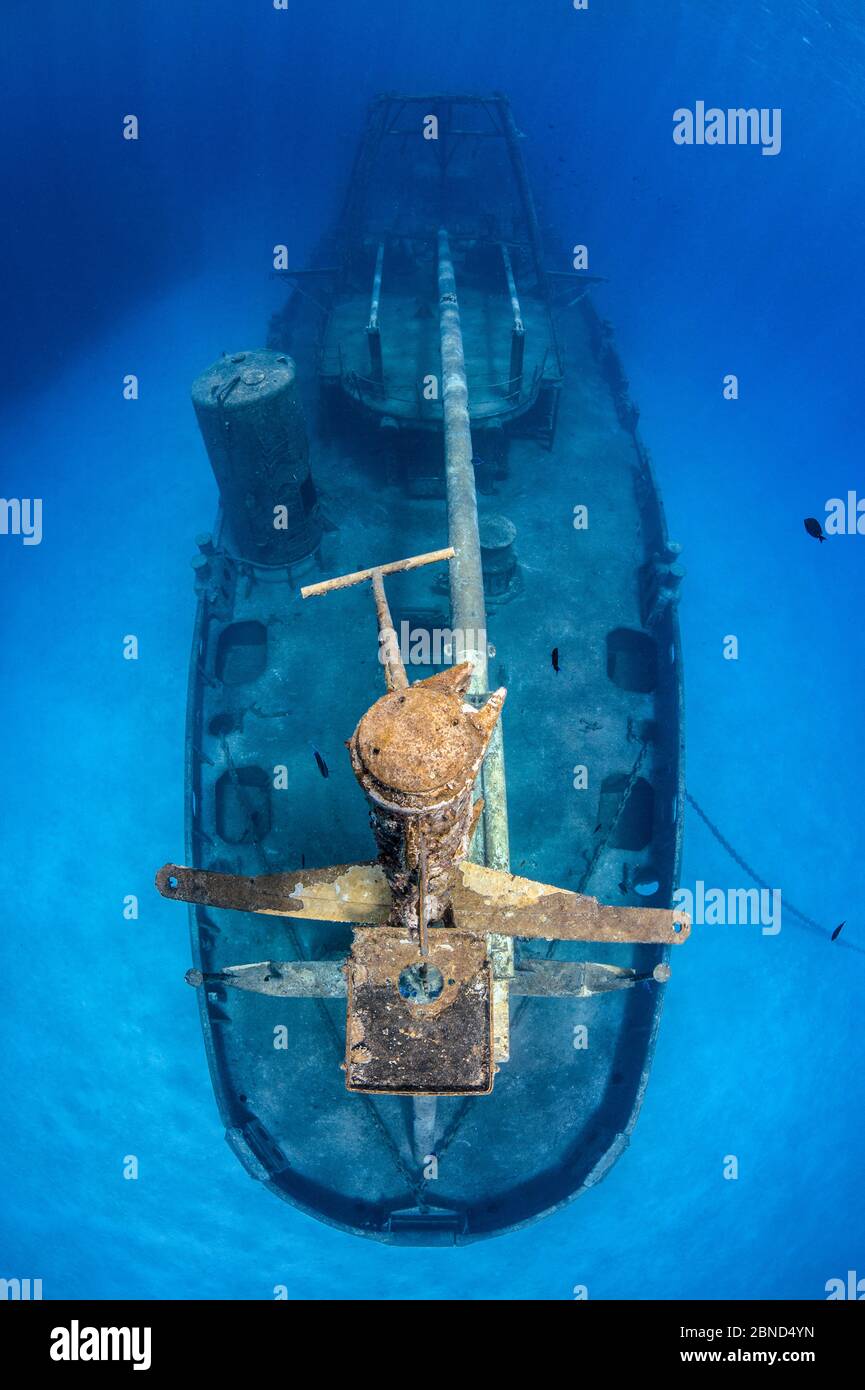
pixel 416 754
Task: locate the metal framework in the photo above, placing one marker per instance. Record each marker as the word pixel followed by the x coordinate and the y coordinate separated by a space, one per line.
pixel 421 975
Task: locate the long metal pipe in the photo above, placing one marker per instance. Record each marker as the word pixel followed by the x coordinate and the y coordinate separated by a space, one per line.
pixel 468 608
pixel 512 290
pixel 512 136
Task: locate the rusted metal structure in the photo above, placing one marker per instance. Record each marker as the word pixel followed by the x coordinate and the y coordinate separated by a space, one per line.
pixel 394 1042
pixel 421 984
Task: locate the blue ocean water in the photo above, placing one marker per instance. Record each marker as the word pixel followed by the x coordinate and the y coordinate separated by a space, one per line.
pixel 152 257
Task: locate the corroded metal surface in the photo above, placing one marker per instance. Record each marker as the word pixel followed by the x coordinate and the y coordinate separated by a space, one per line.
pixel 326 979
pixel 428 993
pixel 484 901
pixel 389 653
pixel 399 1046
pixel 347 581
pixel 283 979
pixel 551 979
pixel 341 893
pixel 416 754
pixel 487 899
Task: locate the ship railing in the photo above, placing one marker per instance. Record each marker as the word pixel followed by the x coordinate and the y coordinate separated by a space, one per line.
pixel 511 391
pixel 485 392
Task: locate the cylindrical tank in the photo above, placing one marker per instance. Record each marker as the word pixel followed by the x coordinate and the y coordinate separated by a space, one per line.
pixel 251 419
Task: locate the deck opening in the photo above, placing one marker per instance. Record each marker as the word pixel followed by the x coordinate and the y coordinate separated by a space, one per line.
pixel 243 812
pixel 413 462
pixel 633 830
pixel 632 660
pixel 241 653
pixel 421 983
pixel 225 723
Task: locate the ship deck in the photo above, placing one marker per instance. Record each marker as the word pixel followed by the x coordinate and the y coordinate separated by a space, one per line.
pixel 558 1115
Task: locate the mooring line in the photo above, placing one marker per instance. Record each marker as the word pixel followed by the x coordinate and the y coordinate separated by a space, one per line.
pixel 752 874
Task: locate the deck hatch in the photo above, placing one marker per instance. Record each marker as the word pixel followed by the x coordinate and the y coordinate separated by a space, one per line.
pixel 421 1045
pixel 632 660
pixel 241 654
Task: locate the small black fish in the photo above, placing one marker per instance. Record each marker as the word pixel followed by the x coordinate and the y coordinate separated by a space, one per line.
pixel 813 527
pixel 303 861
pixel 837 932
pixel 322 765
pixel 555 660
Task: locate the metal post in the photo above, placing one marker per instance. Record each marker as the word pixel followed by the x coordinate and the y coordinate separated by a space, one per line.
pixel 468 609
pixel 392 661
pixel 373 331
pixel 512 138
pixel 518 330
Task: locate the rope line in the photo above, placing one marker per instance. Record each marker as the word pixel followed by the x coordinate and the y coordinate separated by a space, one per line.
pixel 752 873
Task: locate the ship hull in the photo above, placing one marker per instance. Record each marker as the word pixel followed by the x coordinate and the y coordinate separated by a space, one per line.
pixel 594 763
